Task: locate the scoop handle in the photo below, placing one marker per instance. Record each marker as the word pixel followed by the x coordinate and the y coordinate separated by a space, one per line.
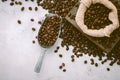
pixel 40 61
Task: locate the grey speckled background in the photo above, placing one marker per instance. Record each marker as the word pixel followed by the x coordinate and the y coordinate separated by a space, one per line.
pixel 18 55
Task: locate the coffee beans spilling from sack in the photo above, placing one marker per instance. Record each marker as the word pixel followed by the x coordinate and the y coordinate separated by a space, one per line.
pixel 60 7
pixel 71 36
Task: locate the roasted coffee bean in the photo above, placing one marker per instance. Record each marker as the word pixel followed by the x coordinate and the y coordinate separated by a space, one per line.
pixel 20 3
pixel 67 48
pixel 72 56
pixel 36 8
pixel 64 70
pixel 63 64
pixel 16 3
pixel 108 69
pixel 60 67
pixel 57 47
pixel 85 62
pixel 39 22
pixel 73 60
pixel 60 55
pixel 56 51
pixel 33 29
pixel 22 9
pixel 33 41
pixel 32 0
pixel 92 61
pixel 19 22
pixel 11 3
pixel 36 37
pixel 96 64
pixel 13 0
pixel 30 8
pixel 32 19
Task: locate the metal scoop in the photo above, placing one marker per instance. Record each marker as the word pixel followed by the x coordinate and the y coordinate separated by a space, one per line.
pixel 45 47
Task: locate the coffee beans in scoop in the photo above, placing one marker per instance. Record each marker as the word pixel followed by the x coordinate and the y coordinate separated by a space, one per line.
pixel 49 31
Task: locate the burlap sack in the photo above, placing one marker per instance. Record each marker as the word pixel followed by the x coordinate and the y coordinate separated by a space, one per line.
pixel 113 16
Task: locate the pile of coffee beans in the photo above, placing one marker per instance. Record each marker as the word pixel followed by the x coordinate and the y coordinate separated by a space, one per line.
pixel 60 7
pixel 71 36
pixel 49 31
pixel 96 16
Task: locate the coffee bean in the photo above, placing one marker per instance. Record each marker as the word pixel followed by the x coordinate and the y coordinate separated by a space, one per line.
pixel 60 67
pixel 108 69
pixel 64 70
pixel 72 56
pixel 36 8
pixel 39 22
pixel 73 60
pixel 96 64
pixel 63 64
pixel 33 29
pixel 32 19
pixel 85 62
pixel 22 9
pixel 20 3
pixel 30 8
pixel 19 22
pixel 56 51
pixel 33 41
pixel 32 0
pixel 11 3
pixel 57 47
pixel 60 55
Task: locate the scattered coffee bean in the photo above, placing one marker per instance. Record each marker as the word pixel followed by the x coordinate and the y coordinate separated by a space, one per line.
pixel 60 55
pixel 32 0
pixel 36 8
pixel 33 41
pixel 85 62
pixel 36 37
pixel 73 60
pixel 32 20
pixel 39 22
pixel 96 64
pixel 30 8
pixel 56 51
pixel 63 64
pixel 11 3
pixel 92 61
pixel 60 67
pixel 20 3
pixel 64 70
pixel 57 47
pixel 22 9
pixel 16 2
pixel 72 56
pixel 33 29
pixel 19 22
pixel 108 69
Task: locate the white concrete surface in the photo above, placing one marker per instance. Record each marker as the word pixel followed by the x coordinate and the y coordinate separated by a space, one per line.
pixel 18 55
